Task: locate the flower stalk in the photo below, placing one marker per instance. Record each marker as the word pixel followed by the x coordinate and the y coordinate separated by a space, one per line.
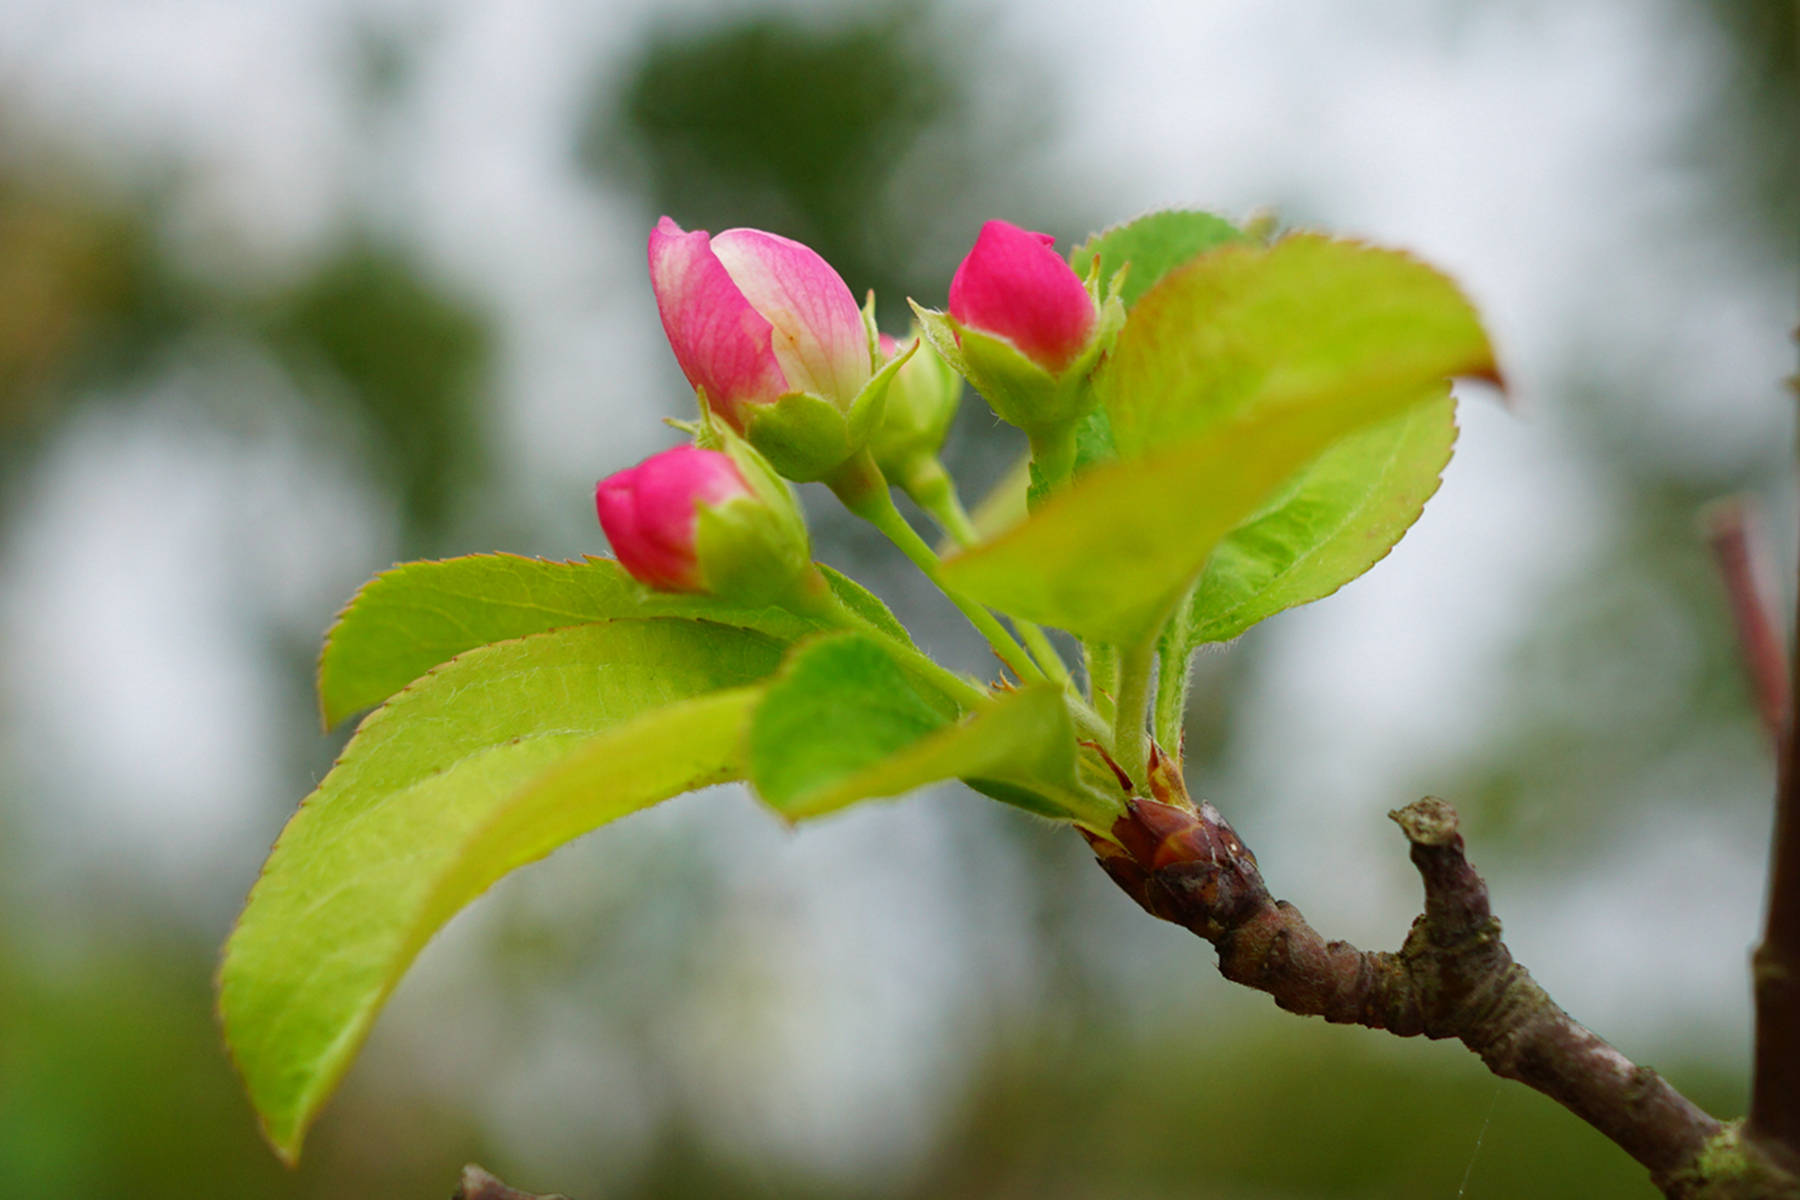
pixel 932 489
pixel 864 491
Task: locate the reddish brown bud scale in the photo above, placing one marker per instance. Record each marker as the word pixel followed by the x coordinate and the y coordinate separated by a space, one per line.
pixel 1132 834
pixel 1166 783
pixel 1124 869
pixel 1111 765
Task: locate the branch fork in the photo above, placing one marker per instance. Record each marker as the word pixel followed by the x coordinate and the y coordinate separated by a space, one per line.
pixel 1453 976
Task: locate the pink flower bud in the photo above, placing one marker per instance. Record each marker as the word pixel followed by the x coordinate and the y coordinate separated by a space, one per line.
pixel 650 513
pixel 753 316
pixel 1013 285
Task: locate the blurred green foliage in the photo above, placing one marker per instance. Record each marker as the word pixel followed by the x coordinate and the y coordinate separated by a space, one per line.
pixel 1762 40
pixel 854 135
pixel 1632 669
pixel 1297 1109
pixel 770 124
pixel 113 1083
pixel 409 362
pixel 92 299
pixel 83 300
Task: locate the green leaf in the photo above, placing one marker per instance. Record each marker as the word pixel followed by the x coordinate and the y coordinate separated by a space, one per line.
pixel 838 704
pixel 841 723
pixel 489 761
pixel 1232 374
pixel 1336 520
pixel 861 601
pixel 1309 318
pixel 1109 557
pixel 1154 245
pixel 411 618
pixel 1020 750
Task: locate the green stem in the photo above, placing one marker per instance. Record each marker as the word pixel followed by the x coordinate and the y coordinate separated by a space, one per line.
pixel 932 489
pixel 1131 748
pixel 1038 642
pixel 860 485
pixel 1103 678
pixel 1053 453
pixel 1174 652
pixel 1170 709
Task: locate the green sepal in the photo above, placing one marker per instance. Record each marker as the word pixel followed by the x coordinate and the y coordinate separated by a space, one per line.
pixel 938 331
pixel 754 550
pixel 866 410
pixel 749 554
pixel 806 437
pixel 871 330
pixel 768 485
pixel 1021 392
pixel 802 435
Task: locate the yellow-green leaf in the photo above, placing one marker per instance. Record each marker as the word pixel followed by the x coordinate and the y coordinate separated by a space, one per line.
pixel 489 761
pixel 1153 245
pixel 409 619
pixel 1246 327
pixel 1233 373
pixel 1337 519
pixel 1109 557
pixel 841 723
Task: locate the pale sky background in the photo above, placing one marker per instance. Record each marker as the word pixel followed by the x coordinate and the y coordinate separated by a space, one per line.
pixel 1542 153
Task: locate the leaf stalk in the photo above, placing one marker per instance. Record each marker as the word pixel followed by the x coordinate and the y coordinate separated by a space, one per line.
pixel 864 491
pixel 1131 748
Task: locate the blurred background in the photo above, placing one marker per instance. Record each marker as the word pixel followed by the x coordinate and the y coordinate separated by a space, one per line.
pixel 291 291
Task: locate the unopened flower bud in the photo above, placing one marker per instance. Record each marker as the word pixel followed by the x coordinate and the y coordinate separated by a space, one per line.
pixel 772 338
pixel 1024 328
pixel 693 520
pixel 1012 285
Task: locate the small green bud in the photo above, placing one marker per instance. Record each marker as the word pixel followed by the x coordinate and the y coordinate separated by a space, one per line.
pixel 921 404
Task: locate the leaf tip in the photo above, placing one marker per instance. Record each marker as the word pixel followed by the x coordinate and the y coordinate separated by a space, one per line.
pixel 283 1144
pixel 1491 374
pixel 287 1153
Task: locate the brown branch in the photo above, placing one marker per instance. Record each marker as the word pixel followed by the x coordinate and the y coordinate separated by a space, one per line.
pixel 1774 1120
pixel 1743 562
pixel 1452 978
